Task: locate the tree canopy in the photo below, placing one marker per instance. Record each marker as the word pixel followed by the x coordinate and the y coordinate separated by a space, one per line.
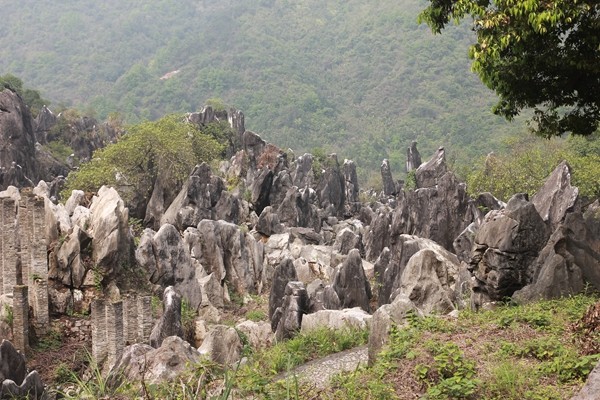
pixel 540 54
pixel 170 146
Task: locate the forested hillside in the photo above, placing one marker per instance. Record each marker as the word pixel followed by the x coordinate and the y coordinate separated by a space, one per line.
pixel 360 78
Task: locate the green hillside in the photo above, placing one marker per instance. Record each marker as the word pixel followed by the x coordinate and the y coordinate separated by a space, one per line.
pixel 359 78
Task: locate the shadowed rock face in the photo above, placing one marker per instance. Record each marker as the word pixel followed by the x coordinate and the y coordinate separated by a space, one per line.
pixel 507 242
pixel 17 143
pixel 287 319
pixel 351 284
pixel 14 380
pixel 170 322
pixel 284 273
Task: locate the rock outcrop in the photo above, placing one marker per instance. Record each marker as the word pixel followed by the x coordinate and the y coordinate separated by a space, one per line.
pixel 287 319
pixel 15 380
pixel 169 323
pixel 351 284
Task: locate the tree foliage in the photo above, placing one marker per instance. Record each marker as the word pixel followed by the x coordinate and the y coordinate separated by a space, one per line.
pixel 527 161
pixel 169 146
pixel 540 54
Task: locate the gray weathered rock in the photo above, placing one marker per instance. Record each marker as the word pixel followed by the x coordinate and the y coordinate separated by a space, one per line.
pixel 428 174
pixel 322 297
pixel 564 266
pixel 377 235
pixel 507 242
pixel 389 186
pixel 112 241
pixel 153 366
pixel 303 174
pixel 336 319
pixel 284 273
pixel 259 334
pixel 351 184
pixel 591 389
pixel 331 188
pixel 429 281
pixel 31 388
pixel 169 323
pixel 12 363
pixel 413 158
pixel 556 197
pixel 287 319
pixel 222 345
pixel 382 321
pixel 196 200
pixel 268 222
pixel 347 240
pixel 351 284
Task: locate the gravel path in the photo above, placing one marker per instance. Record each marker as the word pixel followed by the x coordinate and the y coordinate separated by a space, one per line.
pixel 318 372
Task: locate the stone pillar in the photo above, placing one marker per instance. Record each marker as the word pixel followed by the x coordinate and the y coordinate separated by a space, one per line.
pixel 114 332
pixel 130 320
pixel 99 331
pixel 9 255
pixel 145 320
pixel 20 318
pixel 34 259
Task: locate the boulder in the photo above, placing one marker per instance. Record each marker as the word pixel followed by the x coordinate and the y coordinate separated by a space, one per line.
pixel 429 281
pixel 402 250
pixel 347 240
pixel 31 388
pixel 112 243
pixel 377 234
pixel 169 323
pixel 303 173
pixel 268 222
pixel 141 362
pixel 590 390
pixel 12 363
pixel 258 334
pixel 287 319
pixel 322 297
pixel 351 284
pixel 383 319
pixel 355 318
pixel 222 345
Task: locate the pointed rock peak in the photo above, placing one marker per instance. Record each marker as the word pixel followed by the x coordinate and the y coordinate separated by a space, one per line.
pixel 413 157
pixel 427 174
pixel 556 197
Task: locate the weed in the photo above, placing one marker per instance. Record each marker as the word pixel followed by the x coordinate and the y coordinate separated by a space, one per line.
pixel 256 315
pixel 9 317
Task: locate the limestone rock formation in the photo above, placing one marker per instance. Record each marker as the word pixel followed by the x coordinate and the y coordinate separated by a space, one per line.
pixel 259 334
pixel 429 280
pixel 336 319
pixel 268 222
pixel 222 345
pixel 352 188
pixel 331 188
pixel 18 162
pixel 389 186
pixel 382 321
pixel 322 297
pixel 284 273
pixel 112 241
pixel 404 247
pixel 351 284
pixel 154 365
pixel 564 266
pixel 287 319
pixel 507 242
pixel 169 323
pixel 15 380
pixel 556 197
pixel 196 200
pixel 413 158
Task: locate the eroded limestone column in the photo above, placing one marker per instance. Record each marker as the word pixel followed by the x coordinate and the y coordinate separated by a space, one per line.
pixel 20 317
pixel 130 320
pixel 99 331
pixel 114 333
pixel 34 260
pixel 9 255
pixel 145 320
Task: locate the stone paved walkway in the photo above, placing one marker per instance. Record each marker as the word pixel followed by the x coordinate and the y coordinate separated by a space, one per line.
pixel 317 373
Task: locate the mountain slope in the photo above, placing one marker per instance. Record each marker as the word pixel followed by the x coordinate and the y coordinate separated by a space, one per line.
pixel 362 79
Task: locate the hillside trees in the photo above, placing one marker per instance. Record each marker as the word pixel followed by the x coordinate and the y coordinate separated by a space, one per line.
pixel 527 161
pixel 31 97
pixel 170 146
pixel 534 54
